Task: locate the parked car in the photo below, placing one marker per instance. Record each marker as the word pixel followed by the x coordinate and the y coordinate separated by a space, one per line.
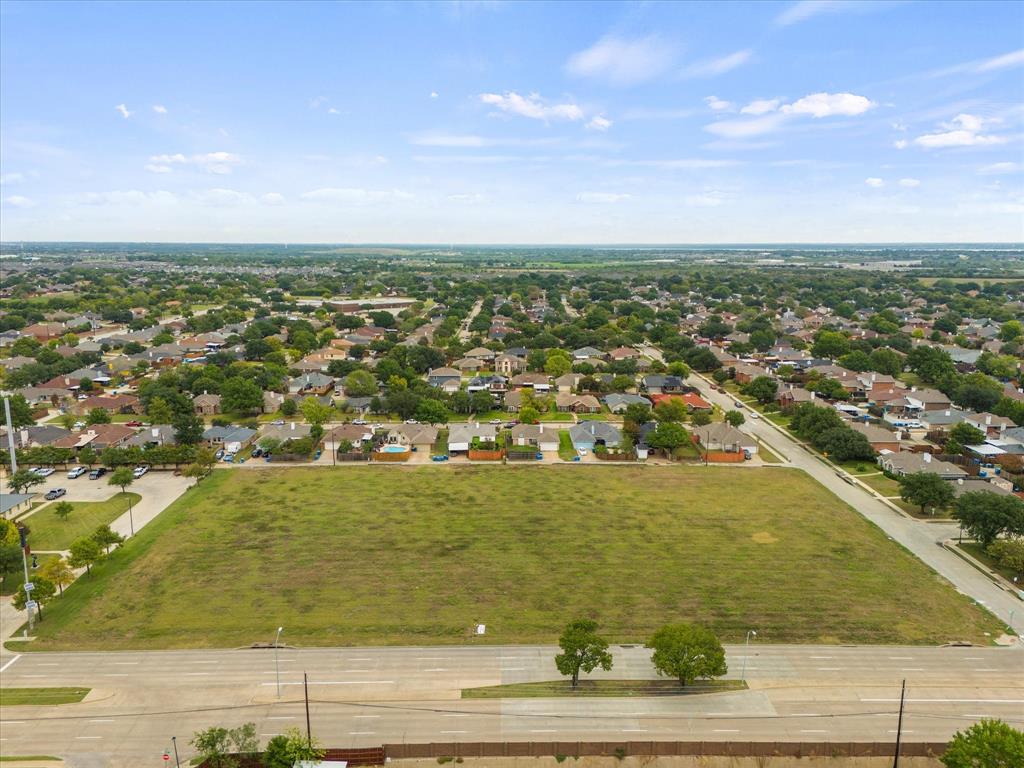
pixel 411 421
pixel 55 493
pixel 139 471
pixel 359 422
pixel 754 414
pixel 44 471
pixel 76 472
pixel 79 425
pixel 581 451
pixel 439 457
pixel 134 423
pixel 256 453
pixel 278 422
pixel 219 454
pixel 97 473
pixel 495 422
pixel 229 457
pixel 738 404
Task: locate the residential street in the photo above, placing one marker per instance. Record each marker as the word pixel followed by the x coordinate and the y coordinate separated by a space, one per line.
pixel 919 537
pixel 370 696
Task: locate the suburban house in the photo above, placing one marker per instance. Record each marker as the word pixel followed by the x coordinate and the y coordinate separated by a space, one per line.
pixel 907 463
pixel 158 434
pixel 989 423
pixel 414 436
pixel 570 403
pixel 97 437
pixel 623 353
pixel 618 403
pixel 290 431
pixel 567 382
pixel 508 365
pixel 943 420
pixel 460 436
pixel 661 384
pixel 110 403
pixel 481 353
pixel 746 373
pixel 793 396
pixel 719 436
pixel 354 433
pixel 222 437
pixel 312 383
pixel 542 437
pixel 589 434
pixel 496 385
pixel 272 401
pixel 538 381
pixel 12 504
pixel 881 439
pixel 586 352
pixel 206 404
pixel 34 435
pixel 469 364
pixel 446 379
pixel 918 400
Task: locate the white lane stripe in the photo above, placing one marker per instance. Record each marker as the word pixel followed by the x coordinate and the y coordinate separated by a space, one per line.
pixel 11 722
pixel 544 730
pixel 89 738
pixel 341 682
pixel 280 717
pixel 103 721
pixel 360 733
pixel 126 663
pixel 5 666
pixel 727 730
pixel 454 731
pixel 952 701
pixel 813 730
pixel 829 669
pixel 912 669
pixel 365 717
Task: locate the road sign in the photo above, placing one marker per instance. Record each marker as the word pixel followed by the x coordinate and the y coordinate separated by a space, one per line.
pixel 31 605
pixel 29 586
pixel 167 757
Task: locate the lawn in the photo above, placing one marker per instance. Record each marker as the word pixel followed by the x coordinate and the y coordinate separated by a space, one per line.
pixel 12 582
pixel 20 697
pixel 767 455
pixel 884 485
pixel 49 532
pixel 566 452
pixel 405 555
pixel 978 552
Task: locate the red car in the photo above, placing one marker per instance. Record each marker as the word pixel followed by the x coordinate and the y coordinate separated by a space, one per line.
pixel 133 424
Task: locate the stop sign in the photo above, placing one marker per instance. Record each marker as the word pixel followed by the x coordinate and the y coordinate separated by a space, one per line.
pixel 167 757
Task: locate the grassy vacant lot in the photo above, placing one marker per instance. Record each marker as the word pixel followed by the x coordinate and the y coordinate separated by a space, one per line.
pixel 591 688
pixel 49 532
pixel 405 555
pixel 18 697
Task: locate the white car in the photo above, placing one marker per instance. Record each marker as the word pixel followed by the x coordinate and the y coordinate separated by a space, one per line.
pixel 76 472
pixel 140 471
pixel 79 425
pixel 359 422
pixel 44 471
pixel 581 451
pixel 411 421
pixel 495 421
pixel 755 415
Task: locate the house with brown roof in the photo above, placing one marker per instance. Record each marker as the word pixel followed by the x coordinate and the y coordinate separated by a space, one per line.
pixel 881 439
pixel 111 404
pixel 539 382
pixel 206 404
pixel 570 403
pixel 98 437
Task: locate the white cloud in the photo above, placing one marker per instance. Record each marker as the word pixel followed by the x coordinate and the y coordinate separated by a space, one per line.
pixel 874 181
pixel 622 61
pixel 999 169
pixel 901 143
pixel 160 109
pixel 910 183
pixel 1012 59
pixel 19 201
pixel 829 104
pixel 601 197
pixel 719 66
pixel 807 9
pixel 709 199
pixel 717 104
pixel 964 130
pixel 353 195
pixel 433 94
pixel 317 101
pixel 12 178
pixel 127 197
pixel 760 107
pixel 333 111
pixel 124 111
pixel 219 197
pixel 743 129
pixel 599 123
pixel 532 106
pixel 219 163
pixel 474 197
pixel 272 198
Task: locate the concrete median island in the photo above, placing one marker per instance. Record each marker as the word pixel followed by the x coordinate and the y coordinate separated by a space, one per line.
pixel 409 556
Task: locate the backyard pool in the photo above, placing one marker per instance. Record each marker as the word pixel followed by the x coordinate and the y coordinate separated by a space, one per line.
pixel 393 449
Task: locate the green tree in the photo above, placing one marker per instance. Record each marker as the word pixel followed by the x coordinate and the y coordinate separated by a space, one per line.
pixel 480 401
pixel 63 509
pixel 87 456
pixel 701 419
pixel 315 412
pixel 188 428
pixel 844 444
pixel 106 537
pixel 122 477
pixel 360 383
pixel 672 409
pixel 638 413
pixel 84 553
pixel 1011 330
pixel 215 745
pixel 986 515
pixel 432 411
pixel 965 434
pixel 43 591
pixel 529 415
pixel 557 363
pixel 288 748
pixel 926 490
pixel 1009 553
pixel 763 388
pixel 830 344
pixel 58 571
pixel 205 460
pixel 668 436
pixel 687 652
pixel 22 480
pixel 159 411
pixel 977 392
pixel 734 418
pixel 21 412
pixel 986 744
pixel 582 650
pixel 97 416
pixel 241 396
pixel 289 408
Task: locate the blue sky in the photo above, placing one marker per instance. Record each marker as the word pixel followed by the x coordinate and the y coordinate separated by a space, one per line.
pixel 512 122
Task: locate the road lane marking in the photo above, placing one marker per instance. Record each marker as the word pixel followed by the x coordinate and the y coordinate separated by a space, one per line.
pixel 813 730
pixel 125 663
pixel 361 658
pixel 544 730
pixel 365 717
pixel 361 733
pixel 634 730
pixel 904 731
pixel 829 669
pixel 5 666
pixel 951 701
pixel 912 669
pixel 341 682
pixel 726 730
pixel 901 658
pixel 195 674
pixel 12 722
pixel 36 676
pixel 512 669
pixel 117 674
pixel 431 658
pixel 48 664
pixel 436 669
pixel 280 717
pixel 987 669
pixel 461 731
pixel 103 721
pixel 821 657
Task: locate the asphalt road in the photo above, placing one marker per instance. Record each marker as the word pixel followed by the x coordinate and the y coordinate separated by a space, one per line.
pixel 369 696
pixel 921 538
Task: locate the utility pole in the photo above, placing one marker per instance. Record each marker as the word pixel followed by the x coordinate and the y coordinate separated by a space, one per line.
pixel 899 726
pixel 305 688
pixel 174 743
pixel 277 666
pixel 10 435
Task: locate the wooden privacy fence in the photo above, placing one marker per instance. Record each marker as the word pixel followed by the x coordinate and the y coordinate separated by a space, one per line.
pixel 724 457
pixel 662 748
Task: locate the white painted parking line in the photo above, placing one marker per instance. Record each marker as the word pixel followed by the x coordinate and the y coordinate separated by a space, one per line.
pixel 49 664
pixel 117 674
pixel 912 669
pixel 88 738
pixel 634 730
pixel 436 669
pixel 431 658
pixel 35 676
pixel 544 730
pixel 813 730
pixel 904 731
pixel 901 658
pixel 512 669
pixel 125 663
pixel 821 657
pixel 197 674
pixel 986 670
pixel 829 669
pixel 5 666
pixel 12 722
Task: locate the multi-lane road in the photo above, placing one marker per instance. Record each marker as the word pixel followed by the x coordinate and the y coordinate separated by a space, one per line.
pixel 369 696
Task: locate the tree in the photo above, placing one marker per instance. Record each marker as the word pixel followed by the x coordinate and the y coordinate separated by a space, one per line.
pixel 240 395
pixel 360 383
pixel 1009 553
pixel 43 591
pixel 830 344
pixel 701 419
pixel 84 553
pixel 121 477
pixel 582 650
pixel 668 436
pixel 1011 330
pixel 63 510
pixel 763 388
pixel 965 434
pixel 529 415
pixel 844 444
pixel 106 537
pixel 687 652
pixel 432 411
pixel 22 480
pixel 315 412
pixel 58 571
pixel 480 401
pixel 977 392
pixel 735 418
pixel 638 413
pixel 10 549
pixel 557 363
pixel 671 409
pixel 289 408
pixel 216 744
pixel 21 412
pixel 288 748
pixel 926 490
pixel 986 744
pixel 188 429
pixel 88 456
pixel 203 464
pixel 97 416
pixel 159 411
pixel 986 515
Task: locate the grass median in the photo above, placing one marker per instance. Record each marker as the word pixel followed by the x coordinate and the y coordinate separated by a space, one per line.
pixel 21 697
pixel 406 555
pixel 48 532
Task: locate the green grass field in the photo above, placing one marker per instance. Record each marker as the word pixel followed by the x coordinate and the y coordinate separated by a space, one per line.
pixel 49 532
pixel 400 555
pixel 19 697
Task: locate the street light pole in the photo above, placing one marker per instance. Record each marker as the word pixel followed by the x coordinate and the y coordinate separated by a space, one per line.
pixel 746 648
pixel 10 435
pixel 174 743
pixel 277 666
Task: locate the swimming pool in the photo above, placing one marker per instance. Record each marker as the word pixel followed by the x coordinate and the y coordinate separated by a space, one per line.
pixel 393 449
